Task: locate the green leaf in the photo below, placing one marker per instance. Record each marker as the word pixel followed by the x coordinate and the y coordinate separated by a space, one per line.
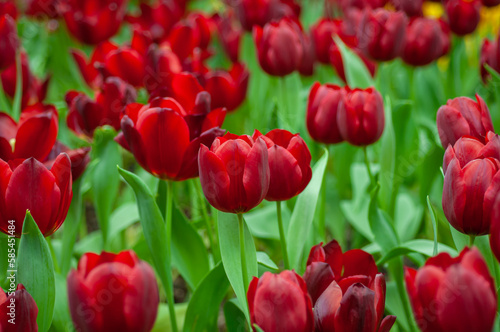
pixel 124 216
pixel 162 323
pixel 231 258
pixel 35 270
pixel 303 214
pixel 461 240
pixel 434 219
pixel 356 73
pixel 264 260
pixel 203 309
pixel 421 246
pixel 62 319
pixel 382 229
pixel 408 217
pixel 387 161
pixel 262 222
pixel 234 316
pixel 70 227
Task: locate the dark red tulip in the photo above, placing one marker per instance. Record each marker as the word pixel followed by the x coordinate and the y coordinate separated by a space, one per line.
pixel 33 136
pixel 43 8
pixel 279 47
pixel 86 115
pixel 18 311
pixel 346 5
pixel 234 173
pixel 185 37
pixel 113 292
pixel 463 117
pixel 260 12
pixel 165 137
pixel 410 7
pixel 93 21
pixel 490 55
pixel 382 34
pixel 491 3
pixel 441 293
pixel 280 303
pixel 308 62
pixel 227 88
pixel 463 15
pixel 91 69
pixel 79 158
pixel 229 35
pixel 8 7
pixel 289 164
pixel 360 117
pixel 322 108
pixel 322 35
pixel 9 41
pixel 29 185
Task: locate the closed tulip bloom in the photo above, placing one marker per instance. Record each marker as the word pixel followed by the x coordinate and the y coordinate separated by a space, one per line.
pixel 426 41
pixel 463 15
pixel 230 34
pixel 29 185
pixel 338 63
pixel 453 294
pixel 361 117
pixel 280 303
pixel 490 55
pixel 289 164
pixel 279 47
pixel 259 12
pixel 113 292
pixel 20 307
pixel 165 137
pixel 322 108
pixel 234 172
pixel 9 41
pixel 463 117
pixel 410 7
pixel 79 158
pixel 322 35
pixel 227 89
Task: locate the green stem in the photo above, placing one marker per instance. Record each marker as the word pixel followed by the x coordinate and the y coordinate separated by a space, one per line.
pixel 168 223
pixel 472 238
pixel 16 104
pixel 282 236
pixel 204 211
pixel 53 254
pixel 367 163
pixel 244 270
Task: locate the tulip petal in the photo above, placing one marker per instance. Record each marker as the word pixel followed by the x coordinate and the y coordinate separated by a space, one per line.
pixel 334 258
pixel 356 311
pixel 454 195
pixel 387 323
pixel 318 277
pixel 326 308
pixel 63 177
pixel 359 262
pixel 256 176
pixel 449 134
pixel 285 176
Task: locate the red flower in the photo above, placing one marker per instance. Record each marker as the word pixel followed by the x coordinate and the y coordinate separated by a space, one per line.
pixel 491 3
pixel 9 41
pixel 79 158
pixel 234 173
pixel 29 185
pixel 490 55
pixel 165 137
pixel 33 136
pixel 86 115
pixel 229 35
pixel 322 108
pixel 410 7
pixel 279 302
pixel 463 15
pixel 118 292
pixel 93 21
pixel 20 307
pixel 360 117
pixel 43 8
pixel 495 228
pixel 260 12
pixel 463 117
pixel 322 35
pixel 289 164
pixel 227 89
pixel 441 293
pixel 8 7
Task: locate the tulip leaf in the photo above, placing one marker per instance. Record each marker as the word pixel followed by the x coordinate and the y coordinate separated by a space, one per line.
pixel 303 214
pixel 70 227
pixel 420 246
pixel 203 309
pixel 234 316
pixel 264 260
pixel 35 270
pixel 231 258
pixel 382 229
pixel 461 240
pixel 62 317
pixel 124 216
pixel 434 219
pixel 387 161
pixel 356 73
pixel 262 222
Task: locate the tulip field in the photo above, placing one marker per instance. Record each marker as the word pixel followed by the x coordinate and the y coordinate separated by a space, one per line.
pixel 249 165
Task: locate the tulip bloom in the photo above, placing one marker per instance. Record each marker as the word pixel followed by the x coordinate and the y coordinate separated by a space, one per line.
pixel 43 8
pixel 19 306
pixel 260 12
pixel 29 185
pixel 279 303
pixel 360 117
pixel 443 291
pixel 165 137
pixel 34 135
pixel 463 117
pixel 9 41
pixel 463 15
pixel 229 35
pixel 490 55
pixel 410 7
pixel 9 7
pixel 79 158
pixel 322 35
pixel 234 173
pixel 113 292
pixel 227 89
pixel 491 3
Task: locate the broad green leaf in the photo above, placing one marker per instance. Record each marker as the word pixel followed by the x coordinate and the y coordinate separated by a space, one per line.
pixel 124 216
pixel 408 217
pixel 387 161
pixel 62 319
pixel 234 316
pixel 264 259
pixel 303 214
pixel 394 305
pixel 434 219
pixel 35 270
pixel 231 259
pixel 162 323
pixel 382 229
pixel 90 243
pixel 356 73
pixel 421 246
pixel 263 222
pixel 461 240
pixel 203 309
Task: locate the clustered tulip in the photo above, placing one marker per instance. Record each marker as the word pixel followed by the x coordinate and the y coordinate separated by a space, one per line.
pixel 463 15
pixel 490 55
pixel 113 292
pixel 20 308
pixel 257 13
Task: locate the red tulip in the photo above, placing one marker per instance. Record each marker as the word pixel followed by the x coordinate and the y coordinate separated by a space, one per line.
pixel 280 303
pixel 308 62
pixel 9 41
pixel 279 47
pixel 490 55
pixel 165 137
pixel 495 228
pixel 43 8
pixel 463 15
pixel 18 311
pixel 453 294
pixel 33 136
pixel 410 7
pixel 322 108
pixel 382 34
pixel 360 117
pixel 188 35
pixel 362 4
pixel 227 89
pixel 93 21
pixel 86 115
pixel 8 7
pixel 289 164
pixel 322 34
pixel 113 292
pixel 463 117
pixel 490 3
pixel 234 173
pixel 79 158
pixel 29 185
pixel 229 35
pixel 260 12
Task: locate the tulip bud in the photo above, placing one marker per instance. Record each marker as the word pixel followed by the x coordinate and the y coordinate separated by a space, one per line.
pixel 279 47
pixel 463 117
pixel 227 89
pixel 234 173
pixel 279 302
pixel 442 291
pixel 18 311
pixel 490 55
pixel 9 41
pixel 360 117
pixel 410 7
pixel 113 292
pixel 29 185
pixel 463 15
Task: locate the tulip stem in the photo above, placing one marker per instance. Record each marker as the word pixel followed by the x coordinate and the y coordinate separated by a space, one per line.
pixel 244 270
pixel 472 238
pixel 168 223
pixel 208 224
pixel 16 103
pixel 367 163
pixel 282 236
